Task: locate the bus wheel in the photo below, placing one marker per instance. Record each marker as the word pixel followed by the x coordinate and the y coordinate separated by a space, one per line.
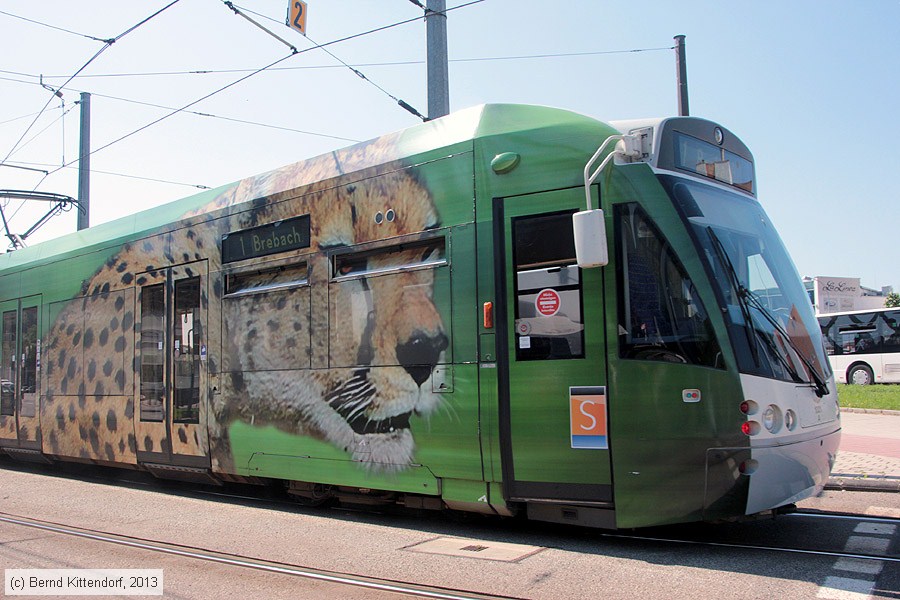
pixel 860 375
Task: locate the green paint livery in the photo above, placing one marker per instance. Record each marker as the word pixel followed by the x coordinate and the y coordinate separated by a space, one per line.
pixel 358 360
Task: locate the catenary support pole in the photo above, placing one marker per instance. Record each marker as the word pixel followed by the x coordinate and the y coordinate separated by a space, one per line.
pixel 438 73
pixel 681 68
pixel 84 164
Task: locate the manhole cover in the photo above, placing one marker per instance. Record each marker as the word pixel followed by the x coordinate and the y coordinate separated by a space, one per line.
pixel 475 549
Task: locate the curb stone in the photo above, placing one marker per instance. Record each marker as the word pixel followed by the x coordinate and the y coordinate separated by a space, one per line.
pixel 871 411
pixel 863 484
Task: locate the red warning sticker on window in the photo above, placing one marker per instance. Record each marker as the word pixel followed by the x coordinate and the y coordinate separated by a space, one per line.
pixel 547 302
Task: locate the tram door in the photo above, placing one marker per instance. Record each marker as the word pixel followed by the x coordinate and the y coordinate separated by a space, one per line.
pixel 171 385
pixel 551 354
pixel 19 368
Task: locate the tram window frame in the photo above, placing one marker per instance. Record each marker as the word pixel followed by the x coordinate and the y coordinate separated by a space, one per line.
pixel 153 305
pixel 280 284
pixel 543 257
pixel 354 263
pixel 699 345
pixel 360 274
pixel 8 384
pixel 28 388
pixel 187 334
pixel 270 279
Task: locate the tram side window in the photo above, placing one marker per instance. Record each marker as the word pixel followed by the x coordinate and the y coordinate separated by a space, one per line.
pixel 549 317
pixel 8 369
pixel 265 318
pixel 188 337
pixel 152 345
pixel 28 407
pixel 384 289
pixel 661 316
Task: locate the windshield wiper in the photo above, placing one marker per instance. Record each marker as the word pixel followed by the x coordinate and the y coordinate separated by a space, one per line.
pixel 746 299
pixel 818 380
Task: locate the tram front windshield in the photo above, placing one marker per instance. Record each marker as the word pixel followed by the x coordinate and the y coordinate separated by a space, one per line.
pixel 770 319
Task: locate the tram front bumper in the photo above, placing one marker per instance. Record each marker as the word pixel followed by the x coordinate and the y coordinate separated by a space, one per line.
pixel 792 472
pixel 752 479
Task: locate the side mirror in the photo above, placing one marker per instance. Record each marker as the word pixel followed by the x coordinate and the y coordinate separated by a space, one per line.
pixel 590 233
pixel 590 239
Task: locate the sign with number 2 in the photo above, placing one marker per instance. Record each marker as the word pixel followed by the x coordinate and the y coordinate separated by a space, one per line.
pixel 297 15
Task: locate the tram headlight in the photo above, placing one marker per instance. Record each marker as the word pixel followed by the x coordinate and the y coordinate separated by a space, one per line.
pixel 771 418
pixel 790 420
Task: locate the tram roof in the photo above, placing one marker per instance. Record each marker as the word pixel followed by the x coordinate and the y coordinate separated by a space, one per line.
pixel 459 128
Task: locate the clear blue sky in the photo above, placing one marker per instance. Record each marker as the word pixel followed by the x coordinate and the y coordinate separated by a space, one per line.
pixel 811 87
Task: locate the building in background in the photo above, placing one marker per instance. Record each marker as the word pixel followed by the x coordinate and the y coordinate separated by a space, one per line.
pixel 834 294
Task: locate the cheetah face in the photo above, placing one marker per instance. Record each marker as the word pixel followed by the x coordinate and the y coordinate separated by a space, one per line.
pixel 399 340
pixel 385 323
pixel 375 331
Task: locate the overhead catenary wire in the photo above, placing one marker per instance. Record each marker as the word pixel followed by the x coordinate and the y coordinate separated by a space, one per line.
pixel 179 110
pixel 61 117
pixel 58 93
pixel 199 186
pixel 355 67
pixel 190 112
pixel 84 35
pixel 183 109
pixel 20 117
pixel 302 67
pixel 106 44
pixel 402 103
pixel 232 119
pixel 396 63
pixel 345 65
pixel 255 72
pixel 176 111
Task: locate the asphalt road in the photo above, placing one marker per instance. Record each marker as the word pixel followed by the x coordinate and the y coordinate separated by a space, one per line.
pixel 540 561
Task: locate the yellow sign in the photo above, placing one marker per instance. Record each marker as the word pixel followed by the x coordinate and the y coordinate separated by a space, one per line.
pixel 297 15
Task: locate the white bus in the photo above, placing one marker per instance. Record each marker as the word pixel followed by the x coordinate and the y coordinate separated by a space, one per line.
pixel 863 346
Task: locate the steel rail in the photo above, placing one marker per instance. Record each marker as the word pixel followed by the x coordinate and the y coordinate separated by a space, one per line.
pixel 832 553
pixel 626 536
pixel 400 587
pixel 847 516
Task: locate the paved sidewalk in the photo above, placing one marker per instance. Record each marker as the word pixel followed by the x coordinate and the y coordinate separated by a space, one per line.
pixel 869 454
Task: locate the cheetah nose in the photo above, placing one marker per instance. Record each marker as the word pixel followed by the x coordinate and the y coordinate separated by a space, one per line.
pixel 420 353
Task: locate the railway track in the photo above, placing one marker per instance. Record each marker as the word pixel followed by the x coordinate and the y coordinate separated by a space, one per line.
pixel 844 516
pixel 673 539
pixel 237 560
pixel 758 547
pixel 684 535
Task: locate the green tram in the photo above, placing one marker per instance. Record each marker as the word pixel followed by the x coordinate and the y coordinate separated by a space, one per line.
pixel 436 319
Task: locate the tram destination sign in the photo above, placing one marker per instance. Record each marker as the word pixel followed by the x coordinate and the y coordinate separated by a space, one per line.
pixel 281 236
